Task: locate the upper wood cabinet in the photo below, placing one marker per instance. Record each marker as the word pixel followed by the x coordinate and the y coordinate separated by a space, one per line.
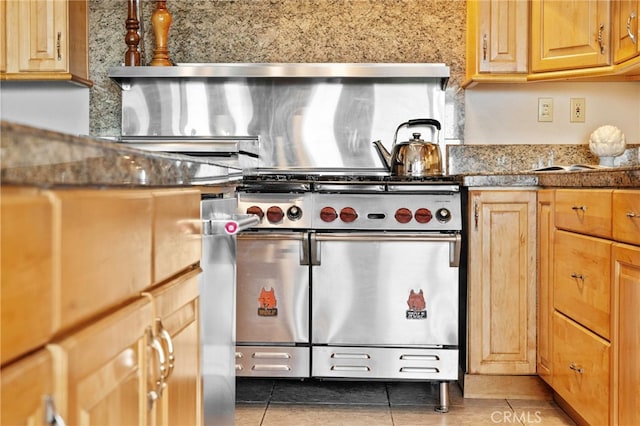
pixel 497 37
pixel 625 30
pixel 46 40
pixel 570 34
pixel 502 282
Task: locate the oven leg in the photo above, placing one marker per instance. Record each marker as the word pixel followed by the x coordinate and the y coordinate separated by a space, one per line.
pixel 444 398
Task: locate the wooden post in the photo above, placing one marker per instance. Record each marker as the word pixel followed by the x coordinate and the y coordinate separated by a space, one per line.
pixel 132 38
pixel 161 21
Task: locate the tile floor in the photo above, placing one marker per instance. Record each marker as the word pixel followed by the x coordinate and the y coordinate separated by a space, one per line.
pixel 270 402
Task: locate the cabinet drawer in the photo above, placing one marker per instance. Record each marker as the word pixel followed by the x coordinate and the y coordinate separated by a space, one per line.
pixel 626 216
pixel 27 271
pixel 582 277
pixel 584 211
pixel 105 251
pixel 176 232
pixel 581 369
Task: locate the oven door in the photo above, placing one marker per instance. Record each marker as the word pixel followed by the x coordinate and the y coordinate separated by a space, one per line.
pixel 385 289
pixel 273 288
pixel 272 316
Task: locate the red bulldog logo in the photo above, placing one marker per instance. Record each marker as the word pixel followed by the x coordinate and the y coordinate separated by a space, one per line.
pixel 417 305
pixel 267 303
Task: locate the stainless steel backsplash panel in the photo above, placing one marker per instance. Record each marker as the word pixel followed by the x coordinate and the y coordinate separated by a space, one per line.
pixel 301 121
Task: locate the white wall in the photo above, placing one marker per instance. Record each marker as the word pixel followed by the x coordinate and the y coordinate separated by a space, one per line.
pixel 508 113
pixel 59 106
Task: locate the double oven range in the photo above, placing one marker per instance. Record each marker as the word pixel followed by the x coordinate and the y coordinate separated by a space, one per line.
pixel 350 274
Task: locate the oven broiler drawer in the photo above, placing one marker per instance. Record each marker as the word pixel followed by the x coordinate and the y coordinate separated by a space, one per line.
pixel 385 363
pixel 272 361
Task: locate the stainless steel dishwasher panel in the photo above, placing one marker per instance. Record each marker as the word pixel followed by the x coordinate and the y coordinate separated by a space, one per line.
pixel 382 289
pixel 273 288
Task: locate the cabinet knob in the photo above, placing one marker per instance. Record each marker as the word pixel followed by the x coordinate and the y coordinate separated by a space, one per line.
pixel 633 215
pixel 575 368
pixel 632 36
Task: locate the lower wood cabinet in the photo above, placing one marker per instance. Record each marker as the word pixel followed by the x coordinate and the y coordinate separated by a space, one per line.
pixel 591 301
pixel 626 358
pixel 105 342
pixel 502 282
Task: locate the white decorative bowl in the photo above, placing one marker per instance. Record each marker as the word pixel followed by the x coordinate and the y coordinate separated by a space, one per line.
pixel 607 142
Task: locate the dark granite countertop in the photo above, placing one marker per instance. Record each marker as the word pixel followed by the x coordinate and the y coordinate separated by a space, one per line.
pixel 615 177
pixel 32 156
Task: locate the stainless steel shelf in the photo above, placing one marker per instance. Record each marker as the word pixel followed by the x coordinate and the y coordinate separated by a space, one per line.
pixel 285 70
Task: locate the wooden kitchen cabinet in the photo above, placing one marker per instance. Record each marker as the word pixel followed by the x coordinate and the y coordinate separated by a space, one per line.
pixel 569 35
pixel 546 228
pixel 626 367
pixel 625 30
pixel 497 40
pixel 46 40
pixel 95 308
pixel 596 294
pixel 502 282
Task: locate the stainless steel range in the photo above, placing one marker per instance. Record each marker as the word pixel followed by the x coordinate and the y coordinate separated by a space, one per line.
pixel 350 275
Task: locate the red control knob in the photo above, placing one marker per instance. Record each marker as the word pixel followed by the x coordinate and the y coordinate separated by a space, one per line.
pixel 423 215
pixel 256 210
pixel 274 214
pixel 348 214
pixel 403 215
pixel 328 214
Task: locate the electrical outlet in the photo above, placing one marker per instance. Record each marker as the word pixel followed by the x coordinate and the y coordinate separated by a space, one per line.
pixel 545 109
pixel 578 110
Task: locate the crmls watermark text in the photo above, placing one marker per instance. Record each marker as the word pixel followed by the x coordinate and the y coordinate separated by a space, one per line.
pixel 513 417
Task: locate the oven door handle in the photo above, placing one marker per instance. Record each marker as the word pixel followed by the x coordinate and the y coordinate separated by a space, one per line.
pixel 454 240
pixel 230 225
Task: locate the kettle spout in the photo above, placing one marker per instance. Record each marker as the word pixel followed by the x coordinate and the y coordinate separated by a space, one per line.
pixel 385 156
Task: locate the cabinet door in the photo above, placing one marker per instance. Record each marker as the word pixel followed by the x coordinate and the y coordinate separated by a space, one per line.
pixel 37 35
pixel 626 271
pixel 503 36
pixel 103 369
pixel 176 316
pixel 502 282
pixel 546 227
pixel 625 30
pixel 569 34
pixel 24 386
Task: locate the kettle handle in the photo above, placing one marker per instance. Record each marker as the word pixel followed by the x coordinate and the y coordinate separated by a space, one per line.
pixel 418 122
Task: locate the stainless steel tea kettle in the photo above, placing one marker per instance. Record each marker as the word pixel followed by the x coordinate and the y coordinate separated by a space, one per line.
pixel 414 157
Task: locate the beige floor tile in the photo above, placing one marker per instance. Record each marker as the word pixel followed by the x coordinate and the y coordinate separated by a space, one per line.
pixel 249 414
pixel 327 415
pixel 457 416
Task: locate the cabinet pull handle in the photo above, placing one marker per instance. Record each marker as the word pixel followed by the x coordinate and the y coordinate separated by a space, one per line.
pixel 476 214
pixel 583 208
pixel 632 36
pixel 577 276
pixel 600 38
pixel 58 44
pixel 574 367
pixel 156 346
pixel 633 215
pixel 51 415
pixel 484 47
pixel 164 335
